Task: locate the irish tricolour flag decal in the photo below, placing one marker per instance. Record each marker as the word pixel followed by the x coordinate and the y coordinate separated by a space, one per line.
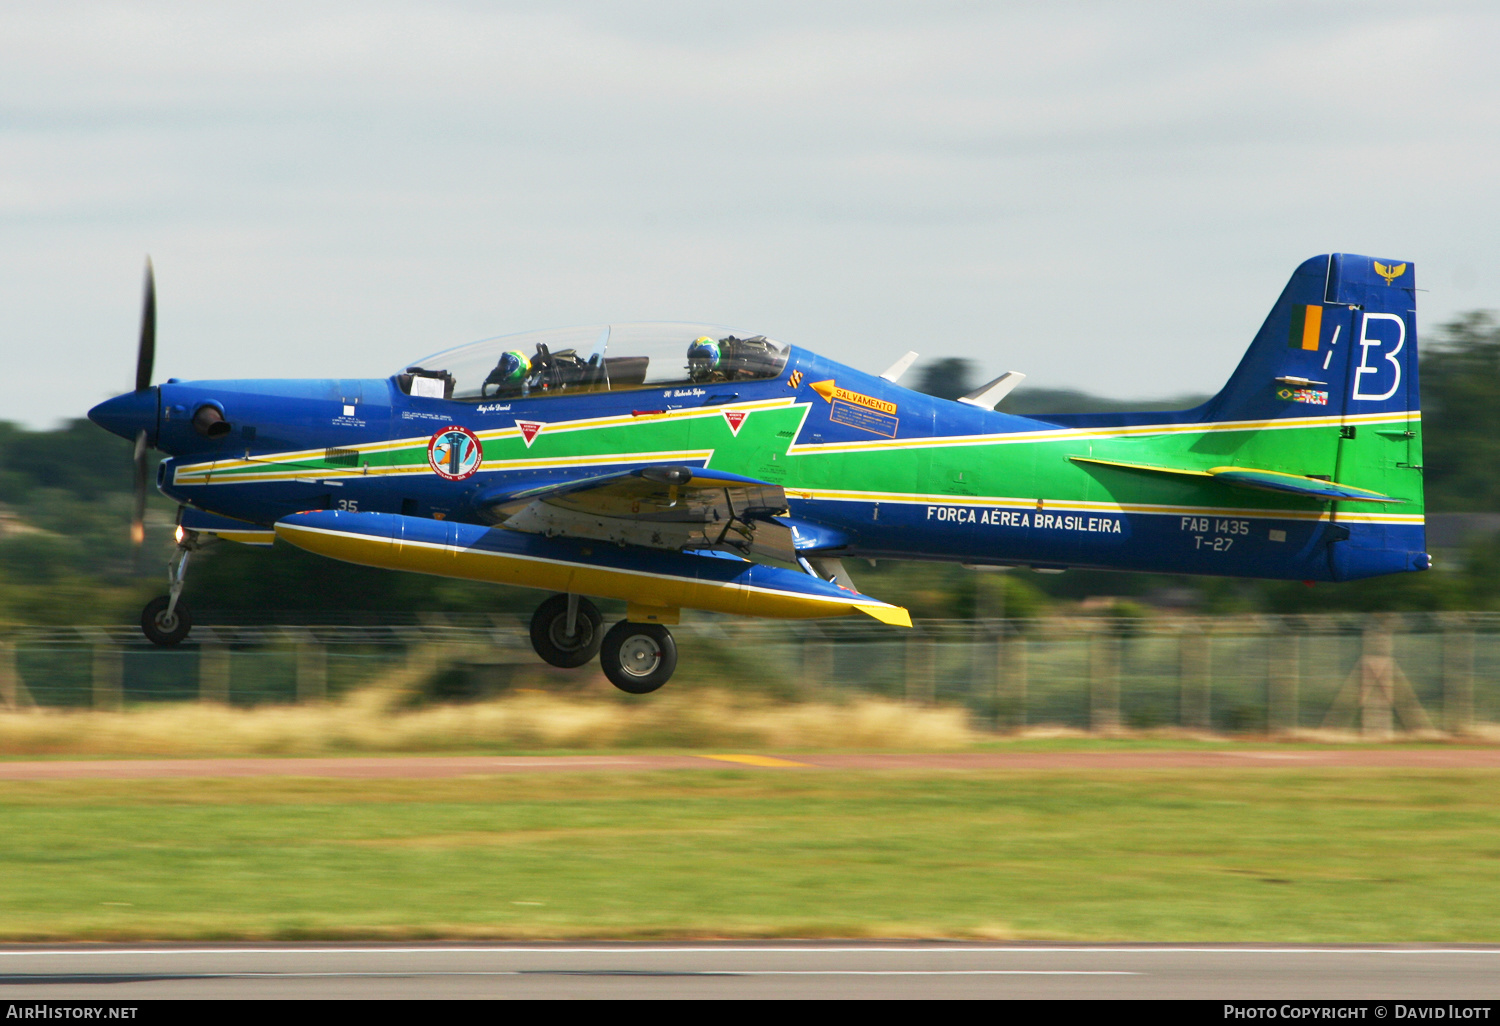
pixel 735 418
pixel 529 430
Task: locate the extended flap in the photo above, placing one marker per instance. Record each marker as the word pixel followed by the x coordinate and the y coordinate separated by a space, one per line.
pixel 658 507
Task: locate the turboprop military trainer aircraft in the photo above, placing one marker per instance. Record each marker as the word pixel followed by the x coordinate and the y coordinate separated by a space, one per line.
pixel 694 466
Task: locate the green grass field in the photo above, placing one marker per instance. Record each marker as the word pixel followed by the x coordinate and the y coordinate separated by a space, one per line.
pixel 1261 855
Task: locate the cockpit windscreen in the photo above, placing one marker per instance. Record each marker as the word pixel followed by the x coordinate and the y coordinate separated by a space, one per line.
pixel 617 357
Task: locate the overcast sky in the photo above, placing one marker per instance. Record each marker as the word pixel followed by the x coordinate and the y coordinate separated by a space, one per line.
pixel 1107 196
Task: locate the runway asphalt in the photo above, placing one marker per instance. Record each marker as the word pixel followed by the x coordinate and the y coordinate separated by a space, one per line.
pixel 741 970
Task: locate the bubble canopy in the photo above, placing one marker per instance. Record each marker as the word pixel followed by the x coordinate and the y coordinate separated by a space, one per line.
pixel 595 358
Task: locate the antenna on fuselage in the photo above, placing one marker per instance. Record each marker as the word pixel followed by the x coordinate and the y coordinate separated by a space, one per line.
pixel 894 371
pixel 987 396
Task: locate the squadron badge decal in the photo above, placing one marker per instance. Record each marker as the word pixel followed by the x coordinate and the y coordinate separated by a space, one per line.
pixel 454 453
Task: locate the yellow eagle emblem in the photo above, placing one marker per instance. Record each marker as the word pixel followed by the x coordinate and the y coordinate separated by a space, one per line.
pixel 1388 272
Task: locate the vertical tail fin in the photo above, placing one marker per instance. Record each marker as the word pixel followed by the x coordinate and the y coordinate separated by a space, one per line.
pixel 1341 341
pixel 1336 362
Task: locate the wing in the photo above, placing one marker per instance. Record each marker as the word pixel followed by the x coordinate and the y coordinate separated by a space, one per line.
pixel 1260 480
pixel 677 508
pixel 657 580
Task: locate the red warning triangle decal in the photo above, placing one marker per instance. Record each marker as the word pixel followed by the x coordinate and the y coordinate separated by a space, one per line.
pixel 735 418
pixel 529 430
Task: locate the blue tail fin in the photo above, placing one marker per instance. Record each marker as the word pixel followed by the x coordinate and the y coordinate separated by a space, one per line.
pixel 1341 341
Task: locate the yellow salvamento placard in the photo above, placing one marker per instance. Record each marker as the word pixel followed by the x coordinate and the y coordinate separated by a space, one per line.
pixel 830 391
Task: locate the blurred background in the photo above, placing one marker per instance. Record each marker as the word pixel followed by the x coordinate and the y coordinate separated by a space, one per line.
pixel 1107 197
pixel 1085 650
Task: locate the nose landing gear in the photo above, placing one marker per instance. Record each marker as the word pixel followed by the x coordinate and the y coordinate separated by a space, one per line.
pixel 166 621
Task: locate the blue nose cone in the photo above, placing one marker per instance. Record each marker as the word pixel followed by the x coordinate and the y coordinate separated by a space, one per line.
pixel 127 415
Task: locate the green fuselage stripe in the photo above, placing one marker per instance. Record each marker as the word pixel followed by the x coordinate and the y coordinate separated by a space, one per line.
pixel 1384 456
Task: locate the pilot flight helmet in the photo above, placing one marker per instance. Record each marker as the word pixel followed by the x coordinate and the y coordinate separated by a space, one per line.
pixel 703 356
pixel 513 368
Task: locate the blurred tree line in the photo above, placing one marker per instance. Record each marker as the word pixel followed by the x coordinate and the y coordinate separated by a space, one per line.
pixel 65 506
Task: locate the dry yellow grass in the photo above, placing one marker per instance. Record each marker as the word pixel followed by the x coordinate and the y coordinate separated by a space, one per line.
pixel 1486 732
pixel 374 721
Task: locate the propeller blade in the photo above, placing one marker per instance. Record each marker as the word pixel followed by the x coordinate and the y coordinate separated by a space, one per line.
pixel 146 356
pixel 138 516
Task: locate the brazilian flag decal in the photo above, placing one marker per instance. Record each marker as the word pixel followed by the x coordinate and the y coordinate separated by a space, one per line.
pixel 1307 325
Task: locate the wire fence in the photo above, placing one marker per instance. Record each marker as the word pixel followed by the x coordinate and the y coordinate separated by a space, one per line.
pixel 1378 674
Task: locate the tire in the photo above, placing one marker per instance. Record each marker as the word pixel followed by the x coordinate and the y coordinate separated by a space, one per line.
pixel 161 631
pixel 549 626
pixel 638 658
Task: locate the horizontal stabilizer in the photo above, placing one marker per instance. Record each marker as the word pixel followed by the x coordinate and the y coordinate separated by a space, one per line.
pixel 1273 481
pixel 1260 480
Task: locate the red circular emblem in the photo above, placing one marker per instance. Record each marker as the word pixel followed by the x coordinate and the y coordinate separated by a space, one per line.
pixel 454 453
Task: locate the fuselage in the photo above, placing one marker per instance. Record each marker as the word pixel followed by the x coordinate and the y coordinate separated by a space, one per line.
pixel 870 469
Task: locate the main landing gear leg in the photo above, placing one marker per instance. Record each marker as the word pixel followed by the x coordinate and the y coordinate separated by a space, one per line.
pixel 566 630
pixel 166 620
pixel 638 657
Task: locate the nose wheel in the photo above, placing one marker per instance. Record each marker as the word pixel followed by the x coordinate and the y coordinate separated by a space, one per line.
pixel 165 624
pixel 566 631
pixel 638 658
pixel 166 621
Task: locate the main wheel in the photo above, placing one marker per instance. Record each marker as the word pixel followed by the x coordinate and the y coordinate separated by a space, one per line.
pixel 161 629
pixel 638 657
pixel 549 632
